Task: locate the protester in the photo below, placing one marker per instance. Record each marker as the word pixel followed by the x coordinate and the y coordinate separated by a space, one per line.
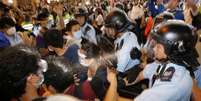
pixel 99 49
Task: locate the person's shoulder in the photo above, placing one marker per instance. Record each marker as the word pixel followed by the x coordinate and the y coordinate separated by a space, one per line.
pixel 130 34
pixel 3 37
pixel 4 42
pixel 175 65
pixel 153 64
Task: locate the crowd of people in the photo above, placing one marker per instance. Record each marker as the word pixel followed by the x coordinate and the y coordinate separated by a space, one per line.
pixel 118 50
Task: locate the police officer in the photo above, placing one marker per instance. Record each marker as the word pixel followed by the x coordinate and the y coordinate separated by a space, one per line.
pixel 169 77
pixel 116 27
pixel 87 31
pixel 120 6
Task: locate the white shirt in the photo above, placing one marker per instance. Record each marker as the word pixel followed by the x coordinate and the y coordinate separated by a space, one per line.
pixel 126 43
pixel 89 33
pixel 177 89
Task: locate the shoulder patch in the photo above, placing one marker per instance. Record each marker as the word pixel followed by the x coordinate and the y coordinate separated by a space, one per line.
pixel 121 44
pixel 168 74
pixel 88 28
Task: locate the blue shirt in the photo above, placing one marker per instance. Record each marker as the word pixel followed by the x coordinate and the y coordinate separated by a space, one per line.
pixel 198 76
pixel 71 54
pixel 155 9
pixel 177 89
pixel 4 42
pixel 178 13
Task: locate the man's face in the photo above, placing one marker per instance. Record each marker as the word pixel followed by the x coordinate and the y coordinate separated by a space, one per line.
pixel 75 28
pixel 44 23
pixel 159 52
pixel 110 32
pixel 81 20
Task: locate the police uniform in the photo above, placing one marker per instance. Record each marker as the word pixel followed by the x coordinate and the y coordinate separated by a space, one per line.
pixel 198 76
pixel 89 33
pixel 123 46
pixel 168 82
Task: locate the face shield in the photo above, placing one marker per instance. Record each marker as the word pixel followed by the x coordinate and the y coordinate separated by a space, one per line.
pixel 149 47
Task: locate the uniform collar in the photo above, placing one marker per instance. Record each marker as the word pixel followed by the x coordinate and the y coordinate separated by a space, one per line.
pixel 124 35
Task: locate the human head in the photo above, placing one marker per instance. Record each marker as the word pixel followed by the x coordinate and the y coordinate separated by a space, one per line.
pixel 120 6
pixel 7 25
pixel 174 38
pixel 58 75
pixel 73 29
pixel 88 52
pixel 20 71
pixel 81 15
pixel 54 40
pixel 116 22
pixel 42 19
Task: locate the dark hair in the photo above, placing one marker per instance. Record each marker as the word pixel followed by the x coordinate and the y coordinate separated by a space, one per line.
pixel 59 74
pixel 91 50
pixel 4 8
pixel 106 45
pixel 109 60
pixel 42 16
pixel 70 24
pixel 54 38
pixel 6 22
pixel 16 64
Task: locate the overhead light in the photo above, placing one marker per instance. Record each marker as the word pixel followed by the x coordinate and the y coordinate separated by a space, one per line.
pixel 88 3
pixel 48 1
pixel 10 1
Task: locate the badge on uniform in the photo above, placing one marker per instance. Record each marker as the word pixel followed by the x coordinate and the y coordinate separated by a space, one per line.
pixel 168 74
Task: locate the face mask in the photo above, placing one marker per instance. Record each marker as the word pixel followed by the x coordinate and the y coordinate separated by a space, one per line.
pixel 77 35
pixel 43 68
pixel 82 59
pixel 11 31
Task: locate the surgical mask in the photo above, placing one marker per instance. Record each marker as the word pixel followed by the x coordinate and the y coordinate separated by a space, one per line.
pixel 77 35
pixel 43 68
pixel 11 31
pixel 82 59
